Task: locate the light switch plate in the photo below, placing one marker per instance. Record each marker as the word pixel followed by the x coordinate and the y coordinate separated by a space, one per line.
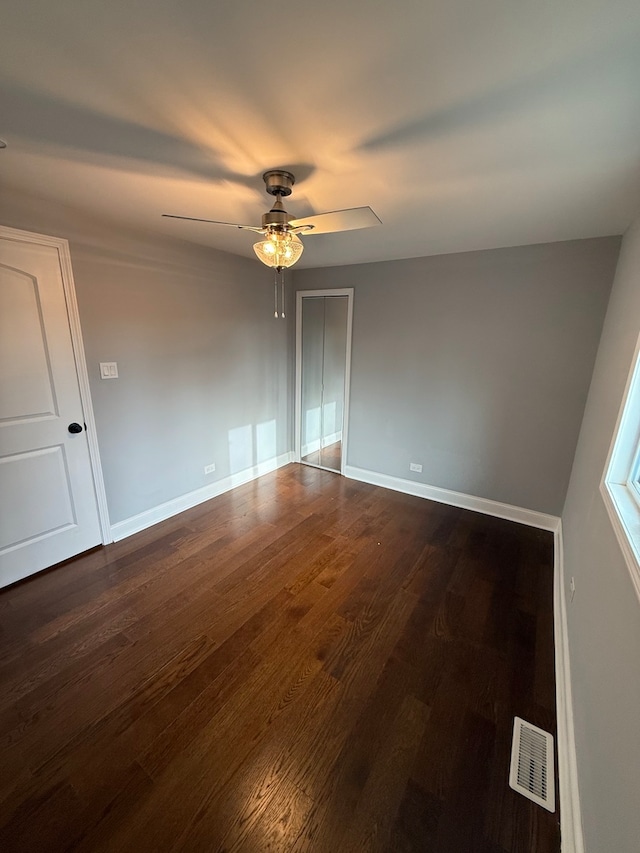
pixel 108 370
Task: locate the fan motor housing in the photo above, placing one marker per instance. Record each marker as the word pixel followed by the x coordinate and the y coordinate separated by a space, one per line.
pixel 277 219
pixel 278 182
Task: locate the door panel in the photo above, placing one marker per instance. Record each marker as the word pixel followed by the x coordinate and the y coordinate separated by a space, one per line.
pixel 324 328
pixel 48 507
pixel 312 360
pixel 26 387
pixel 333 367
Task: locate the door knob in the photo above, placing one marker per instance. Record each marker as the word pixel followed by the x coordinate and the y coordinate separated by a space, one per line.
pixel 73 428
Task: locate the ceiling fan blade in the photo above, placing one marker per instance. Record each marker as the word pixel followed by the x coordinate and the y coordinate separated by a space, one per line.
pixel 336 220
pixel 256 228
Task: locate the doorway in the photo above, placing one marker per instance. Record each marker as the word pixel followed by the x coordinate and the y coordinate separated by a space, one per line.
pixel 323 359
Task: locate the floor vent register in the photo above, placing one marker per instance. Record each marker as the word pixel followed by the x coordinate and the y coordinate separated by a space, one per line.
pixel 532 772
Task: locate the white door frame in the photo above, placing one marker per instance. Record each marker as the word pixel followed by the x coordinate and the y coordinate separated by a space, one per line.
pixel 300 295
pixel 64 255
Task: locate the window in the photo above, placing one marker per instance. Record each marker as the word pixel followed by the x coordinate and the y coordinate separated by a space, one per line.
pixel 620 485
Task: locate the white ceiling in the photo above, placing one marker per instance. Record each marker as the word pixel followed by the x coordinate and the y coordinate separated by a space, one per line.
pixel 464 124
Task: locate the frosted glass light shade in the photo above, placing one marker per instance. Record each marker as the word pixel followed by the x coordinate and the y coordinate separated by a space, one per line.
pixel 279 249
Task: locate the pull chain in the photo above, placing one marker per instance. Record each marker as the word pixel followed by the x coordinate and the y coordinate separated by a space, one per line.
pixel 278 271
pixel 282 295
pixel 275 292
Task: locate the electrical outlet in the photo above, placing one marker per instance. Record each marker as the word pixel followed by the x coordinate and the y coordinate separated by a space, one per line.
pixel 209 469
pixel 572 587
pixel 415 466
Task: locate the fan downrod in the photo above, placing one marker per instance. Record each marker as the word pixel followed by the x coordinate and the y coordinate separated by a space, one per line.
pixel 278 182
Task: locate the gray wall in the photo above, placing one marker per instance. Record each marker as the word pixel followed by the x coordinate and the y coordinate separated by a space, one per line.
pixel 476 365
pixel 204 367
pixel 604 617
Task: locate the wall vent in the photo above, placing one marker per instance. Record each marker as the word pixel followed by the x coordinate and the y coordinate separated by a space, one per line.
pixel 532 772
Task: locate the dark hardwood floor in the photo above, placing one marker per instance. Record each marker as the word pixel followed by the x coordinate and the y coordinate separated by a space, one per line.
pixel 303 664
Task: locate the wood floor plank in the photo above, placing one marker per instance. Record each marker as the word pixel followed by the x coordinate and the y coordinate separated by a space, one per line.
pixel 306 663
pixel 416 821
pixel 370 826
pixel 190 778
pixel 252 797
pixel 337 777
pixel 461 825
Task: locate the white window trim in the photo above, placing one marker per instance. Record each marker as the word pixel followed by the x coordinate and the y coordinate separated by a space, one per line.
pixel 633 481
pixel 620 485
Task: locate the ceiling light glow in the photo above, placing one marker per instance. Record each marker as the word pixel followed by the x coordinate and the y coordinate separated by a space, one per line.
pixel 280 249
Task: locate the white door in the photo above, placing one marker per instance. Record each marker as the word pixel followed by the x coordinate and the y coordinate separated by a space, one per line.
pixel 48 507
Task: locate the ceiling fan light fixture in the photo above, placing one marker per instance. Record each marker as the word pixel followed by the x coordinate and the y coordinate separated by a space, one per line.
pixel 279 249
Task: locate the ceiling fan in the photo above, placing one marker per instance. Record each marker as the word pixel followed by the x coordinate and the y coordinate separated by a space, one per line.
pixel 281 246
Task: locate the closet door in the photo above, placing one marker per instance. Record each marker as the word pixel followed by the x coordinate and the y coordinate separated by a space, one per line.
pixel 324 329
pixel 312 377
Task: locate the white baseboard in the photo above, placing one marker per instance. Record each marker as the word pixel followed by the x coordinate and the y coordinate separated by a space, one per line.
pixel 163 511
pixel 446 496
pixel 572 840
